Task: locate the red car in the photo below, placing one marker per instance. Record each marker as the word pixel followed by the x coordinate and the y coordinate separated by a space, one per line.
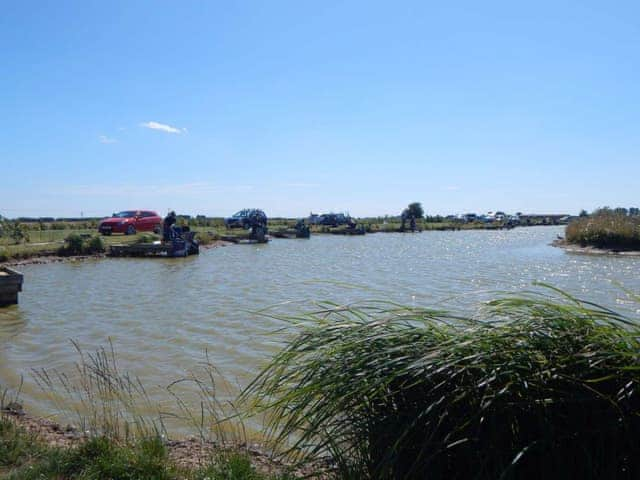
pixel 131 221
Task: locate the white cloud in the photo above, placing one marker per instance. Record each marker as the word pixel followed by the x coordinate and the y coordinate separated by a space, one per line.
pixel 105 139
pixel 163 127
pixel 452 188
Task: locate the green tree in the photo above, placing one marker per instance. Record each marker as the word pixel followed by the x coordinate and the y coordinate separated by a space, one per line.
pixel 415 210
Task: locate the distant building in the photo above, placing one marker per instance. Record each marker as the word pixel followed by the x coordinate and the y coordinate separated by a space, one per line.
pixel 544 218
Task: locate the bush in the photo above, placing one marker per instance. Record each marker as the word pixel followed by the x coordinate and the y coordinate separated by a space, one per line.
pixel 94 245
pixel 207 238
pixel 73 245
pixel 76 244
pixel 535 389
pixel 4 255
pixel 16 231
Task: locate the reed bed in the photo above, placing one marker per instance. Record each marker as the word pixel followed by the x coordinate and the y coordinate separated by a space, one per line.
pixel 605 230
pixel 104 400
pixel 537 386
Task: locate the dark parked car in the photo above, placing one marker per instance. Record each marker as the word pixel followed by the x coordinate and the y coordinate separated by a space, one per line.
pixel 247 218
pixel 131 221
pixel 334 219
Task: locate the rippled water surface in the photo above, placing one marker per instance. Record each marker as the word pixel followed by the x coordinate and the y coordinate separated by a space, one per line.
pixel 162 314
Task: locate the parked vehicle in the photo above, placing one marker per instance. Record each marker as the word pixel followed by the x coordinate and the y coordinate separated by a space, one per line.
pixel 131 221
pixel 247 218
pixel 334 219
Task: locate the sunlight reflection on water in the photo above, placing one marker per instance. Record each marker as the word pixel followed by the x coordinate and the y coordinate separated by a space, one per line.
pixel 161 315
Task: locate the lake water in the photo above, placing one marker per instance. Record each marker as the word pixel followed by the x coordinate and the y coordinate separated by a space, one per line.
pixel 162 314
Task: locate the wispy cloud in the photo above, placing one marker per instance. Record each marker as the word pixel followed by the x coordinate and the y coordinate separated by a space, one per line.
pixel 163 127
pixel 452 188
pixel 105 139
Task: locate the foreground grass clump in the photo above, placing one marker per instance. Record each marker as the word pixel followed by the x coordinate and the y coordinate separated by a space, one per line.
pixel 17 446
pixel 100 458
pixel 605 229
pixel 536 388
pixel 24 457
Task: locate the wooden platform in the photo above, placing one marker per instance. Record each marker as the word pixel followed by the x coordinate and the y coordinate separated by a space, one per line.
pixel 348 231
pixel 166 249
pixel 289 233
pixel 242 239
pixel 138 250
pixel 10 285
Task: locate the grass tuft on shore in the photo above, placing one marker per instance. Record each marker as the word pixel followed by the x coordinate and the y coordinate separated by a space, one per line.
pixel 24 457
pixel 537 386
pixel 17 446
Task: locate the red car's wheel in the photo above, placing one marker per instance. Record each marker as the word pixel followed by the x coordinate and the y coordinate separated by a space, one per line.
pixel 131 230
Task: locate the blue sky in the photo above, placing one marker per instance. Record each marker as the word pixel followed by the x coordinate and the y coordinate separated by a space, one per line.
pixel 209 107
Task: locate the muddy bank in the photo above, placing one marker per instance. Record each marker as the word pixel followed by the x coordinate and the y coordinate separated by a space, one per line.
pixel 588 250
pixel 188 453
pixel 44 259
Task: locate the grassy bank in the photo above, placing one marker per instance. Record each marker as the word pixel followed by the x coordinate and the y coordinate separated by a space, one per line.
pixel 37 239
pixel 24 456
pixel 607 230
pixel 81 242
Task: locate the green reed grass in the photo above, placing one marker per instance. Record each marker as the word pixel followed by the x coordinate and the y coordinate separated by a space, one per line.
pixel 214 414
pixel 535 386
pixel 605 230
pixel 104 400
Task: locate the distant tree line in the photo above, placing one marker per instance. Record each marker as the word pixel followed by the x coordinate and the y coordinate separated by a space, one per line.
pixel 620 211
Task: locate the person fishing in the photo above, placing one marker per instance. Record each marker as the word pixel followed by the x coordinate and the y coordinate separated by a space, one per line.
pixel 168 232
